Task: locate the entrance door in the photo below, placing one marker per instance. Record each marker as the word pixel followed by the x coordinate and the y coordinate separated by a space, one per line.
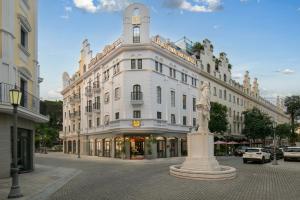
pixel 161 148
pixel 137 147
pixel 173 147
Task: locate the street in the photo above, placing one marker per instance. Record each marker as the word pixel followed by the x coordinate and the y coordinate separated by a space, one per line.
pixel 103 178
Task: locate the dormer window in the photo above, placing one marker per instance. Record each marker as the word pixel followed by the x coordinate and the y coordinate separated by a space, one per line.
pixel 136 34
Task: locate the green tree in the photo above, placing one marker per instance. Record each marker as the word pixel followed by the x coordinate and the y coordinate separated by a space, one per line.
pixel 258 125
pixel 292 104
pixel 197 48
pixel 218 118
pixel 283 131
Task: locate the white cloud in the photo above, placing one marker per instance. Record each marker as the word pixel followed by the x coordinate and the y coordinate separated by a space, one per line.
pixel 68 10
pixel 286 71
pixel 101 5
pixel 54 94
pixel 237 76
pixel 197 6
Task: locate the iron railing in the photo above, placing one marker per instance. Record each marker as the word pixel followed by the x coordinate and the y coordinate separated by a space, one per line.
pixel 28 101
pixel 136 96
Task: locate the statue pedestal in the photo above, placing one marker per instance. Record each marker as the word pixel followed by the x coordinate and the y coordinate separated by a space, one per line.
pixel 201 163
pixel 201 152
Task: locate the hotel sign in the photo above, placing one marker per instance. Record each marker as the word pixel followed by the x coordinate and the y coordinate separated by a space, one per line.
pixel 136 123
pixel 106 50
pixel 178 53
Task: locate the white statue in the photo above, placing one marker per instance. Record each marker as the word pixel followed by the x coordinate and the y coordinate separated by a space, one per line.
pixel 203 108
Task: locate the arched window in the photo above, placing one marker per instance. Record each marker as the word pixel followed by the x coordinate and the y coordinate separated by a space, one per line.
pixel 158 94
pixel 208 68
pixel 136 94
pixel 136 88
pixel 136 34
pixel 84 68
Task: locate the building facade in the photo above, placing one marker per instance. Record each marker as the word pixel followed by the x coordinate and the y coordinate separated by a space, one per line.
pixel 19 67
pixel 136 99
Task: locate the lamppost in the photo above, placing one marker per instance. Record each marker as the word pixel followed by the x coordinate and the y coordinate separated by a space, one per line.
pixel 15 190
pixel 274 145
pixel 78 143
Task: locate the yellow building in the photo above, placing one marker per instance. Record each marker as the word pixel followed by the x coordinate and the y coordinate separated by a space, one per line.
pixel 19 67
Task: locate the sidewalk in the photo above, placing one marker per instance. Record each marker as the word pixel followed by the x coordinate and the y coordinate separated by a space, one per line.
pixel 41 183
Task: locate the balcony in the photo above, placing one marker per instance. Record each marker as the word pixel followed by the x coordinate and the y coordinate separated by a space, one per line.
pixel 72 116
pixel 75 98
pixel 77 114
pixel 137 98
pixel 96 87
pixel 29 105
pixel 96 107
pixel 88 91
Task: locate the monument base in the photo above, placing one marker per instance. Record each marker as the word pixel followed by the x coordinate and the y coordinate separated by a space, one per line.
pixel 201 163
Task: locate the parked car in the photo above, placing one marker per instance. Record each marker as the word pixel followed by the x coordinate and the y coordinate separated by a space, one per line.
pixel 256 154
pixel 279 152
pixel 240 150
pixel 291 153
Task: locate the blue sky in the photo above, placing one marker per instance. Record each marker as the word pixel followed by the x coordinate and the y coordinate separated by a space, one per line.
pixel 262 36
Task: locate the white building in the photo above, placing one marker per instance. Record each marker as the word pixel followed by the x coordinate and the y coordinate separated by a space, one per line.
pixel 137 98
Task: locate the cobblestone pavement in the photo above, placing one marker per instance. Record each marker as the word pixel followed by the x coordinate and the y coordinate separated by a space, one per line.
pixel 142 180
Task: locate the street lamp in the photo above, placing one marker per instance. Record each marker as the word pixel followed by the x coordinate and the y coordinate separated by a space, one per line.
pixel 15 190
pixel 78 143
pixel 274 145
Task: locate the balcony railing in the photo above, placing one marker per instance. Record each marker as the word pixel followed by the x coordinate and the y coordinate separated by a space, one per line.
pixel 75 98
pixel 77 114
pixel 28 101
pixel 96 106
pixel 96 86
pixel 88 91
pixel 137 98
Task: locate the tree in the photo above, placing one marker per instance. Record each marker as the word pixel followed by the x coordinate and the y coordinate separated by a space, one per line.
pixel 47 134
pixel 218 118
pixel 197 48
pixel 257 124
pixel 283 131
pixel 292 104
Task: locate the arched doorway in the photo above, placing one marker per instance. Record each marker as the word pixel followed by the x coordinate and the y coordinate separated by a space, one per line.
pixel 99 147
pixel 119 147
pixel 161 147
pixel 173 147
pixel 74 146
pixel 91 147
pixel 137 147
pixel 184 147
pixel 107 147
pixel 69 146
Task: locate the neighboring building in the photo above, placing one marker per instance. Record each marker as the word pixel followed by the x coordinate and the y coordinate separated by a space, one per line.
pixel 19 66
pixel 137 98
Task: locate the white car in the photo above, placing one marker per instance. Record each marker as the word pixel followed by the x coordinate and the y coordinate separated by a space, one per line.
pixel 256 154
pixel 291 153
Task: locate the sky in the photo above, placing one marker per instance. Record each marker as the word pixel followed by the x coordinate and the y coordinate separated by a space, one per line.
pixel 262 36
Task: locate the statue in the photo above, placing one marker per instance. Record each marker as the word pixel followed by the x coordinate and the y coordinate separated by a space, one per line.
pixel 203 108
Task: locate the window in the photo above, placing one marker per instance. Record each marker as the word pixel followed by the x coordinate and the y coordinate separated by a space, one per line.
pixel 184 102
pixel 194 104
pixel 136 114
pixel 106 75
pixel 136 34
pixel 172 98
pixel 220 93
pixel 116 68
pixel 117 115
pixel 238 101
pixel 194 82
pixel 136 12
pixel 184 120
pixel 140 64
pixel 132 63
pixel 156 66
pixel 160 67
pixel 225 95
pixel 79 126
pixel 172 72
pixel 84 68
pixel 24 37
pixel 69 128
pixel 98 121
pixel 173 120
pixel 233 99
pixel 194 122
pixel 208 68
pixel 225 78
pixel 106 97
pixel 90 123
pixel 215 91
pixel 117 93
pixel 106 119
pixel 73 127
pixel 229 112
pixel 229 97
pixel 158 94
pixel 158 115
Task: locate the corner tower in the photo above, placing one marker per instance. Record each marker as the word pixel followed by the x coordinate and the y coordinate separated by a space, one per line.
pixel 136 21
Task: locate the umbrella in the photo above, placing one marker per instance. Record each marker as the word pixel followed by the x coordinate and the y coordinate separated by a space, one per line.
pixel 220 142
pixel 232 142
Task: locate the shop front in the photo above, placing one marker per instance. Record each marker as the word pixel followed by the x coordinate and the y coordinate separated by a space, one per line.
pixel 137 147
